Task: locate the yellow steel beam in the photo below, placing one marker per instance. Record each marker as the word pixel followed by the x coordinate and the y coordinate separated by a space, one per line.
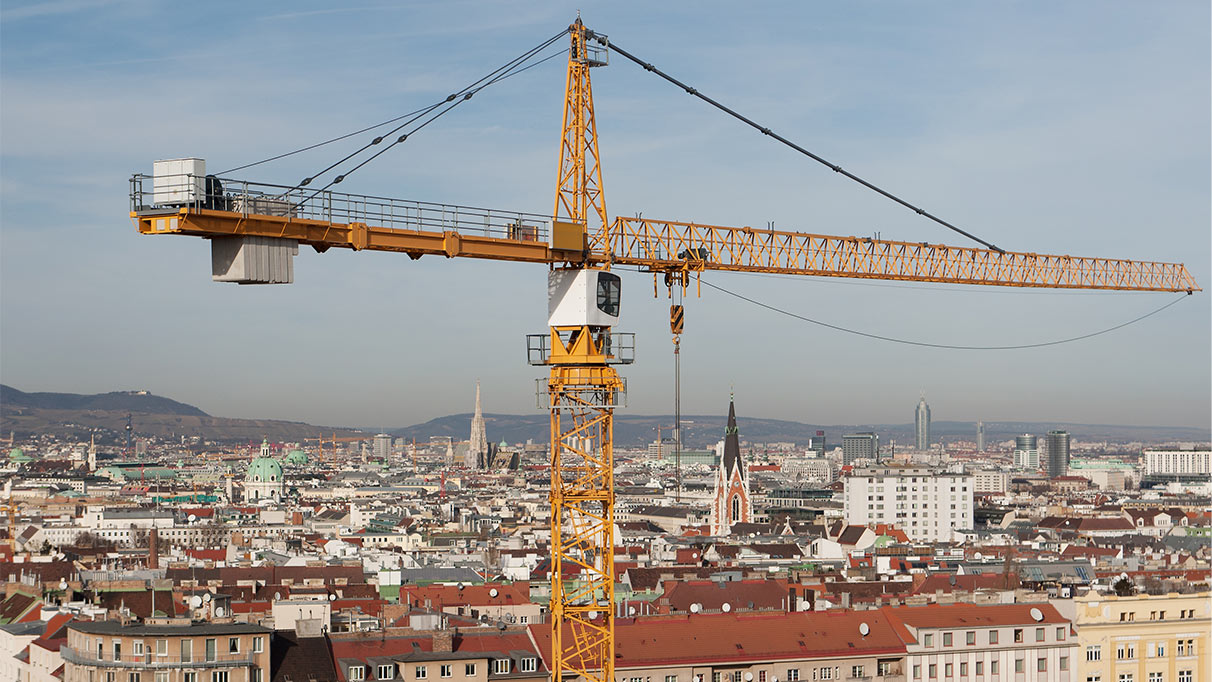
pixel 667 246
pixel 358 236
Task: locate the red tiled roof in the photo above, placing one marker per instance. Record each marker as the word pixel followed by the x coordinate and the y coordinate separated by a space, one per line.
pixel 706 639
pixel 966 583
pixel 970 615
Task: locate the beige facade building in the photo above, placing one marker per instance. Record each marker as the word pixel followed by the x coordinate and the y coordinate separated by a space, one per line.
pixel 1144 638
pixel 201 652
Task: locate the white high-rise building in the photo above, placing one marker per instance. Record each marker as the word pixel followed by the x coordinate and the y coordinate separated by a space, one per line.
pixel 382 447
pixel 921 422
pixel 925 503
pixel 1026 452
pixel 1177 462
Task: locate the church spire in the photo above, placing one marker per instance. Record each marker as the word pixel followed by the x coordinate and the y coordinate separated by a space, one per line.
pixel 732 445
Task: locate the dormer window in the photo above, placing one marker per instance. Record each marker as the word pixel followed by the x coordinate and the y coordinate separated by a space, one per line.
pixel 500 666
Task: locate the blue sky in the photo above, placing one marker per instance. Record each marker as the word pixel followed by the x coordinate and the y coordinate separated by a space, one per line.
pixel 1077 128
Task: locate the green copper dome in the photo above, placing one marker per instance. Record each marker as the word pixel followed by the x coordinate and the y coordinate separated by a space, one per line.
pixel 264 469
pixel 296 456
pixel 18 455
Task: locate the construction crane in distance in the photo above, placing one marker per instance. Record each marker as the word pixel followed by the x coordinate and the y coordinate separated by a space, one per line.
pixel 255 230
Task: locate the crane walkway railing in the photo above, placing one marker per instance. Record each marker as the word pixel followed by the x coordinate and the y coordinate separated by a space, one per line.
pixel 155 195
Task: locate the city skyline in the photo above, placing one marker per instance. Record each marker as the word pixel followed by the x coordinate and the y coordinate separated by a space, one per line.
pixel 943 107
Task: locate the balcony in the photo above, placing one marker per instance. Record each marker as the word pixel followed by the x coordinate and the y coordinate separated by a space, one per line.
pixel 154 662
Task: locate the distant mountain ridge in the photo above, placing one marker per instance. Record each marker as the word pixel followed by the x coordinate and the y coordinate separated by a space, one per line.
pixel 115 401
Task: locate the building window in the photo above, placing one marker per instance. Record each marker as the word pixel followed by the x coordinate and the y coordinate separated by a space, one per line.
pixel 500 666
pixel 856 671
pixel 917 672
pixel 1064 662
pixel 117 650
pixel 1094 652
pixel 1126 652
pixel 233 645
pixel 1020 665
pixel 1018 635
pixel 1125 677
pixel 420 672
pixel 446 670
pixel 673 678
pixel 1060 634
pixel 993 667
pixel 970 637
pixel 1094 678
pixel 993 636
pixel 948 670
pixel 718 677
pixel 963 669
pixel 469 669
pixel 1156 677
pixel 255 675
pixel 946 639
pixel 1039 634
pixel 187 650
pixel 980 668
pixel 793 674
pixel 219 676
pixel 161 676
pixel 928 640
pixel 137 648
pixel 258 645
pixel 826 673
pixel 211 648
pixel 133 677
pixel 1041 665
pixel 161 647
pixel 1186 676
pixel 1159 650
pixel 190 677
pixel 529 664
pixel 357 672
pixel 932 669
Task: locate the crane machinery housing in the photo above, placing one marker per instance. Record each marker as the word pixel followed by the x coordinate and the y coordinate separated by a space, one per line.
pixel 255 230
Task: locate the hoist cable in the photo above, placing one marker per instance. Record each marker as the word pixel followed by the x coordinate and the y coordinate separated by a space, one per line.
pixel 947 346
pixel 454 99
pixel 768 132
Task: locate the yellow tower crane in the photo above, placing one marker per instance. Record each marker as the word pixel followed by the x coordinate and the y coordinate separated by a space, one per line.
pixel 256 228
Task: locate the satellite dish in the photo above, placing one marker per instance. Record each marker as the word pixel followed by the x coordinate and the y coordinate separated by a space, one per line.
pixel 493 592
pixel 593 615
pixel 192 518
pixel 695 608
pixel 460 587
pixel 277 596
pixel 1037 615
pixel 195 601
pixel 62 584
pixel 748 676
pixel 218 611
pixel 631 610
pixel 726 607
pixel 206 597
pixel 864 629
pixel 500 625
pixel 332 597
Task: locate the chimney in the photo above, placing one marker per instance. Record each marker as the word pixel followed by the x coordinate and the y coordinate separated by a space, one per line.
pixel 153 550
pixel 443 640
pixel 845 600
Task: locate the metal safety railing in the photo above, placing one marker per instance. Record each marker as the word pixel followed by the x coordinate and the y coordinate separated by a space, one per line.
pixel 156 194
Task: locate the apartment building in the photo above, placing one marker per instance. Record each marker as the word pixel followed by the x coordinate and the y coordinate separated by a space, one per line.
pixel 925 503
pixel 1020 642
pixel 108 651
pixel 1143 638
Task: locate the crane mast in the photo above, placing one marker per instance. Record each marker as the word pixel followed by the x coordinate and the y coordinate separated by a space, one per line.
pixel 255 229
